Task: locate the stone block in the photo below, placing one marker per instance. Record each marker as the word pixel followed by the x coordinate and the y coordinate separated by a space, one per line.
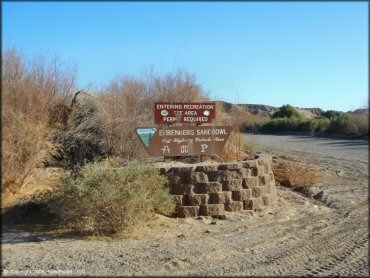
pixel 269 168
pixel 229 166
pixel 264 180
pixel 233 185
pixel 268 188
pixel 184 189
pixel 180 170
pixel 224 175
pixel 221 197
pixel 251 182
pixel 273 191
pixel 258 171
pixel 268 200
pixel 245 173
pixel 212 209
pixel 253 204
pixel 234 206
pixel 242 195
pixel 266 160
pixel 178 200
pixel 196 177
pixel 272 187
pixel 250 163
pixel 187 211
pixel 175 179
pixel 258 192
pixel 198 199
pixel 206 168
pixel 209 187
pixel 212 175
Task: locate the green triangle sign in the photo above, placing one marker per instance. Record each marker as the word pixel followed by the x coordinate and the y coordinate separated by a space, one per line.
pixel 146 135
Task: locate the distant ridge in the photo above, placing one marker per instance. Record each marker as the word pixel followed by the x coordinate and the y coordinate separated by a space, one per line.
pixel 268 110
pixel 259 109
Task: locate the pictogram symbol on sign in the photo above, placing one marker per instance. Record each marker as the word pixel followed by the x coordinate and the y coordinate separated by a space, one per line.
pixel 166 149
pixel 204 147
pixel 184 149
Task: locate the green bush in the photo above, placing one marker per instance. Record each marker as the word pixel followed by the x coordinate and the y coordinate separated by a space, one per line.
pixel 343 123
pixel 286 111
pixel 103 200
pixel 331 114
pixel 340 123
pixel 362 123
pixel 322 124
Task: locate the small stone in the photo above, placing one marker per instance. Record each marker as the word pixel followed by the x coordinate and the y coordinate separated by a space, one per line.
pixel 214 222
pixel 181 235
pixel 340 173
pixel 221 217
pixel 207 231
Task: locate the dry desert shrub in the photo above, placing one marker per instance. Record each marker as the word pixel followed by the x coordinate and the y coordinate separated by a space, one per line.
pixel 292 174
pixel 82 140
pixel 29 89
pixel 102 200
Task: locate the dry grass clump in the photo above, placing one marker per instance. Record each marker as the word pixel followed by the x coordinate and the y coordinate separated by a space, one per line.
pixel 251 148
pixel 29 89
pixel 103 201
pixel 236 147
pixel 292 174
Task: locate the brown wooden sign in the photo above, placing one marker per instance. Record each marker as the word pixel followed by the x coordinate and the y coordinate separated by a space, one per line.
pixel 183 112
pixel 184 140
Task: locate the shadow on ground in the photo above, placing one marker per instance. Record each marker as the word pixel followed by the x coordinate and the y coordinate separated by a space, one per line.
pixel 31 222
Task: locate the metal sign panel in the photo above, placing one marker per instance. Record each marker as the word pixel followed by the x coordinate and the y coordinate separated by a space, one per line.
pixel 183 112
pixel 184 140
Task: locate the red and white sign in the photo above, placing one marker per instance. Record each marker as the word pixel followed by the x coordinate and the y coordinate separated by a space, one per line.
pixel 185 113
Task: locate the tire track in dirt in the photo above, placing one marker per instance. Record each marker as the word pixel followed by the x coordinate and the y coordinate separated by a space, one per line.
pixel 322 248
pixel 340 260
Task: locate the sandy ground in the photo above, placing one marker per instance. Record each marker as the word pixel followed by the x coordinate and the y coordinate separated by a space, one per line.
pixel 298 236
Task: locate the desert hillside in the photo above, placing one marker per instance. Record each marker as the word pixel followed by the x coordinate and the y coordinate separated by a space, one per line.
pixel 264 110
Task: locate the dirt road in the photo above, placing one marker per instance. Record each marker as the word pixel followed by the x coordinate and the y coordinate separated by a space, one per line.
pixel 333 147
pixel 298 236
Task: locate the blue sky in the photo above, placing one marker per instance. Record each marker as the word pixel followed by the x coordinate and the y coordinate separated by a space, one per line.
pixel 308 54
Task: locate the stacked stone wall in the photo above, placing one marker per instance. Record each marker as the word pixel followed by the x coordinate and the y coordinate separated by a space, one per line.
pixel 213 188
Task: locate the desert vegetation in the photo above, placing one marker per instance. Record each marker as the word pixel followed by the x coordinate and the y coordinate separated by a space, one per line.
pixel 287 118
pixel 102 200
pixel 48 123
pixel 30 88
pixel 294 175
